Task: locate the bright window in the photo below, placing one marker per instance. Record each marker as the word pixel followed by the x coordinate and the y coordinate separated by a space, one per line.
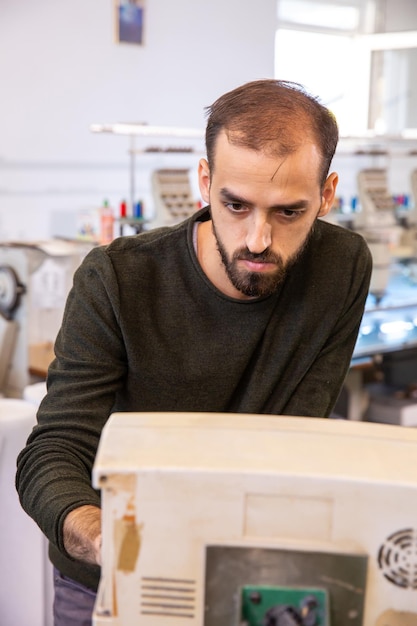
pixel 327 66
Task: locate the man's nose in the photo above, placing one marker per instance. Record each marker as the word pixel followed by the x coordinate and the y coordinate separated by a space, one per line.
pixel 259 235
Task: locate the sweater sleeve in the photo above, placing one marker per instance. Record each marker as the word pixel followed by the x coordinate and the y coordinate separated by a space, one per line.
pixel 318 390
pixel 54 469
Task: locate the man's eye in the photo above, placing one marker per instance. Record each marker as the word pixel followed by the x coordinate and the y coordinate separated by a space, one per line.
pixel 290 213
pixel 235 206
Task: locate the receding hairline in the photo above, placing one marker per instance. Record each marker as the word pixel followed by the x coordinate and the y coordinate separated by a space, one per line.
pixel 274 117
pixel 276 146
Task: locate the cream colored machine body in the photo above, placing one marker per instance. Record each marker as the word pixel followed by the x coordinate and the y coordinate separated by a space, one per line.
pixel 197 506
pixel 173 196
pixel 390 235
pixel 33 297
pixel 377 223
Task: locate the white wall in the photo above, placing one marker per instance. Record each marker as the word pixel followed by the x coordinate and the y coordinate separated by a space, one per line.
pixel 60 71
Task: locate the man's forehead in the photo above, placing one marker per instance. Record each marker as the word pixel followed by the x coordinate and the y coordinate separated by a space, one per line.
pixel 245 165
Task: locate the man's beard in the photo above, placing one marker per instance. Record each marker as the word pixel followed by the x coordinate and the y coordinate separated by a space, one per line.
pixel 257 284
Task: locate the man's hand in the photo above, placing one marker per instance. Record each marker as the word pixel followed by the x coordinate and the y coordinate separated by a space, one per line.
pixel 82 534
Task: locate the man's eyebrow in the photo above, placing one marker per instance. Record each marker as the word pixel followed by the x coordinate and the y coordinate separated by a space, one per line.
pixel 229 196
pixel 291 206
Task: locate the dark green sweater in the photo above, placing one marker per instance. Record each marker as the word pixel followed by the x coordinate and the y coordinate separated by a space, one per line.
pixel 145 330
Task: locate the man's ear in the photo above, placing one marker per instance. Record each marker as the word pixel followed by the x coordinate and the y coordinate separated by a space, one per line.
pixel 328 194
pixel 204 180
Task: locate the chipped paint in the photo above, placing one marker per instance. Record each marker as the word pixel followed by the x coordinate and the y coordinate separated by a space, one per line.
pixel 128 535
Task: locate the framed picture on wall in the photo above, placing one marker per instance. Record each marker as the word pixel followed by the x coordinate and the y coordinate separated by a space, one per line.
pixel 129 21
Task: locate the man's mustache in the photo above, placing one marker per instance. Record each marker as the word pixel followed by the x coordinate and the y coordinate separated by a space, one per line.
pixel 258 257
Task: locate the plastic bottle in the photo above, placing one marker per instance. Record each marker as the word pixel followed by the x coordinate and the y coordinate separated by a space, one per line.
pixel 138 209
pixel 106 223
pixel 123 209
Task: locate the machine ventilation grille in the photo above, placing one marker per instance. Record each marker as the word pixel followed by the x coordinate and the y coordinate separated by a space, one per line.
pixel 397 558
pixel 168 597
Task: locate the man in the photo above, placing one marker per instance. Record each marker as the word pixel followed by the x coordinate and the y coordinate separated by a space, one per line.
pixel 252 305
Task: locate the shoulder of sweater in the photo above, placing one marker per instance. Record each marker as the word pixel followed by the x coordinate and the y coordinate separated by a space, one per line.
pixel 133 245
pixel 339 234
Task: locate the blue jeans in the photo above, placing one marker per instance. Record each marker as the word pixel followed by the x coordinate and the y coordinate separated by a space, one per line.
pixel 73 603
